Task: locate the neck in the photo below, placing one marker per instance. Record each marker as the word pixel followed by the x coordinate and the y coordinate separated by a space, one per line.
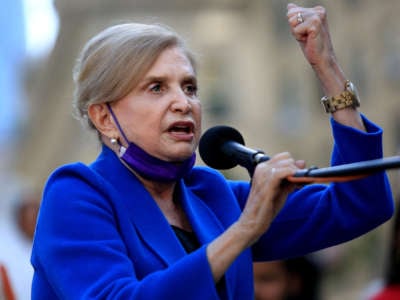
pixel 163 193
pixel 158 190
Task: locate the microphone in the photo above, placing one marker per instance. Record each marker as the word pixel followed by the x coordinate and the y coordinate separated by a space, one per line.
pixel 222 147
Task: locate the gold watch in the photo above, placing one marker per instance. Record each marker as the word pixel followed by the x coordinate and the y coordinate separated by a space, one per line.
pixel 348 98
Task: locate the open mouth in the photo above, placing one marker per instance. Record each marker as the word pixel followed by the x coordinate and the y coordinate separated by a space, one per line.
pixel 182 127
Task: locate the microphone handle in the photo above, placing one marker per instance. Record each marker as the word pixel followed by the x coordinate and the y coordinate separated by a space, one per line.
pixel 345 172
pixel 260 157
pixel 339 173
pixel 244 156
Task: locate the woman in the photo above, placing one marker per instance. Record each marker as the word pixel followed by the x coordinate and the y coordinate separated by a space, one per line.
pixel 141 222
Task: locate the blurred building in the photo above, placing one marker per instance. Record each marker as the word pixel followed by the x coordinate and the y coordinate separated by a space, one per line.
pixel 252 75
pixel 12 60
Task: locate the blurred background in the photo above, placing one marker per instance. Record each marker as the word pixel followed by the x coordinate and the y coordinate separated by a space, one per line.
pixel 252 76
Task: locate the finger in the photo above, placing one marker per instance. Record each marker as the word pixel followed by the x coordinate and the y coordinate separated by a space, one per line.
pixel 292 9
pixel 301 164
pixel 268 172
pixel 276 169
pixel 277 173
pixel 297 11
pixel 287 162
pixel 279 180
pixel 280 160
pixel 285 171
pixel 294 21
pixel 295 16
pixel 300 15
pixel 279 156
pixel 309 28
pixel 298 24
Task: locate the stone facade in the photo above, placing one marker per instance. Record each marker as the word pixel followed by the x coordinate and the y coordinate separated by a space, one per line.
pixel 252 74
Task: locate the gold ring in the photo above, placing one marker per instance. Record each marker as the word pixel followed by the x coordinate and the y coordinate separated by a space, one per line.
pixel 300 18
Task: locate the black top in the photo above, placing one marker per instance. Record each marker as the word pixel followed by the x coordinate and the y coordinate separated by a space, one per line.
pixel 188 239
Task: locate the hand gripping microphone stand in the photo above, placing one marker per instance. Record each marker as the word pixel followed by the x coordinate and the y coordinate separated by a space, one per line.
pixel 222 147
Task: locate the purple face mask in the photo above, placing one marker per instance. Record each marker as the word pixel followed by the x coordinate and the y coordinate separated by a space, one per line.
pixel 151 167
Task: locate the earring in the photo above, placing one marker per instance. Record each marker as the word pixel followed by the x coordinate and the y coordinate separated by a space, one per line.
pixel 114 141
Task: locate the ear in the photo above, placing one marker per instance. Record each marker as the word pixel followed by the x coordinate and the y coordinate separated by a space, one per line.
pixel 102 119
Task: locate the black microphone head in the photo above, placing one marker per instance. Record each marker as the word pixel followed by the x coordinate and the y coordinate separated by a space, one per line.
pixel 210 146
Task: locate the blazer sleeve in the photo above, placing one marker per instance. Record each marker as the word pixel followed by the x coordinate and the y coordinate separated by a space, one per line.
pixel 78 252
pixel 318 216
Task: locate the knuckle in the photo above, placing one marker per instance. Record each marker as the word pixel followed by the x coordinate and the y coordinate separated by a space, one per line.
pixel 262 167
pixel 315 21
pixel 321 11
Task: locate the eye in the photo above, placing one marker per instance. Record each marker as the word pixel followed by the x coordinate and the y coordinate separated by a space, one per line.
pixel 156 88
pixel 190 89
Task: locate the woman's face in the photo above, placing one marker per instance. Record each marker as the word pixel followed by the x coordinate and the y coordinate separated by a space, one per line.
pixel 162 115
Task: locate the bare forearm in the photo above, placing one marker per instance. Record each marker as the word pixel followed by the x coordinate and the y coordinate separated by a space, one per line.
pixel 332 81
pixel 266 198
pixel 310 28
pixel 225 249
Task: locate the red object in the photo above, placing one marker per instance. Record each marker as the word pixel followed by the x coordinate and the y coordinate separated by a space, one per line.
pixel 391 292
pixel 6 284
pixel 326 179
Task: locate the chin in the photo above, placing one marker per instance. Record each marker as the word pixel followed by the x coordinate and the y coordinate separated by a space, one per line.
pixel 182 154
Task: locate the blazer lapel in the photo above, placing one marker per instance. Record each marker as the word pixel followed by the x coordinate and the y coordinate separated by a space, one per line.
pixel 205 224
pixel 142 210
pixel 207 227
pixel 151 223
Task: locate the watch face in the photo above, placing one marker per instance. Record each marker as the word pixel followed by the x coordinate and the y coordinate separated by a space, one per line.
pixel 352 89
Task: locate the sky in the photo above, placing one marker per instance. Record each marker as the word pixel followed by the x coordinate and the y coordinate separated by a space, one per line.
pixel 41 27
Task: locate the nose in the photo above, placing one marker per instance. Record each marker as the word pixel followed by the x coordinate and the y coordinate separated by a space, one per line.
pixel 181 102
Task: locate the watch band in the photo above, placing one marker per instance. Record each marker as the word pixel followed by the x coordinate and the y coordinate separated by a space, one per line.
pixel 348 98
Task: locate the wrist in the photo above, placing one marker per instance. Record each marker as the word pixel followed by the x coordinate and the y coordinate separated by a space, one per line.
pixel 331 77
pixel 248 231
pixel 349 98
pixel 225 249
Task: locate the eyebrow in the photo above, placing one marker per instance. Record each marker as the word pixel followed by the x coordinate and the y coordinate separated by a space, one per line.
pixel 149 79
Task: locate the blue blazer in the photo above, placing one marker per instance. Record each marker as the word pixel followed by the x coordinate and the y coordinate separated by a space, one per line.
pixel 100 235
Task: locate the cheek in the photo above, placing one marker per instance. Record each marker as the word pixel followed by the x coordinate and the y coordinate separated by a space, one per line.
pixel 144 121
pixel 198 119
pixel 196 109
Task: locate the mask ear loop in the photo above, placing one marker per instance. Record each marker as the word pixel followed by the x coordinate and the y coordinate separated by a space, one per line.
pixel 122 149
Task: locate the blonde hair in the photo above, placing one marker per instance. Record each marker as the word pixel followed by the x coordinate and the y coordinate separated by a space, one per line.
pixel 114 61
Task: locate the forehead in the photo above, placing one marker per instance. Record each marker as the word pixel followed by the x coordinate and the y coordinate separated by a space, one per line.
pixel 172 59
